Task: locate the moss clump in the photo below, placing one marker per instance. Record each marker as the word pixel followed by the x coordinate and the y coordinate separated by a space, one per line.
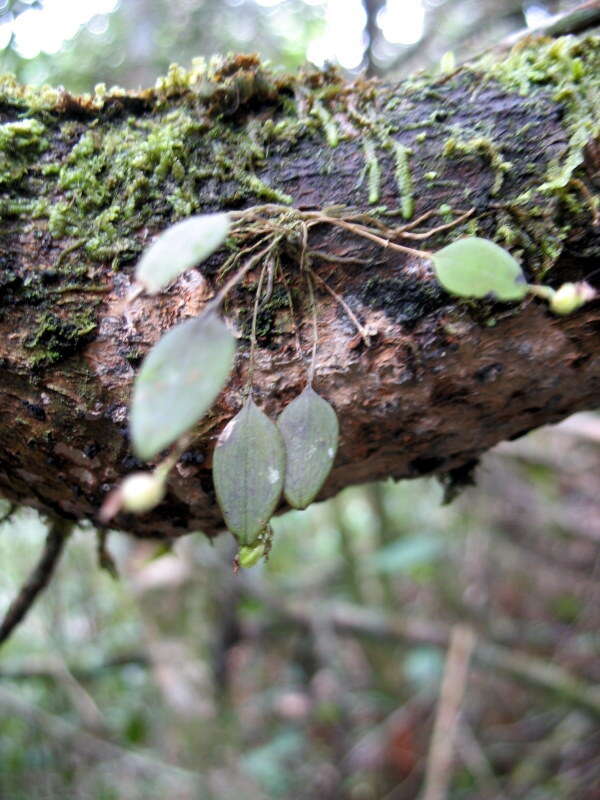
pixel 569 66
pixel 481 146
pixel 119 177
pixel 21 143
pixel 404 179
pixel 267 318
pixel 56 338
pixel 372 170
pixel 201 146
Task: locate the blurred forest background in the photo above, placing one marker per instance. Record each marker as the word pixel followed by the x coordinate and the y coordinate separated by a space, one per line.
pixel 316 675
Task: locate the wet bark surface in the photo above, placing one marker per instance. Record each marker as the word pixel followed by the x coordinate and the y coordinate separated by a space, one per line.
pixel 441 381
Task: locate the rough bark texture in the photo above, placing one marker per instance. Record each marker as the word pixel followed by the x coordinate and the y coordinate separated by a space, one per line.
pixel 86 182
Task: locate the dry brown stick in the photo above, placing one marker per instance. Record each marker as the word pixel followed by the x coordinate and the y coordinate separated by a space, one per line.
pixel 38 579
pixel 439 760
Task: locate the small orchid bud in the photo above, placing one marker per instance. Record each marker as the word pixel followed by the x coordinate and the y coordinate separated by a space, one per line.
pixel 249 556
pixel 571 296
pixel 141 492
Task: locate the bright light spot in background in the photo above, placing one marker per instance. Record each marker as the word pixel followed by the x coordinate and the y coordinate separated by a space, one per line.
pixel 48 28
pixel 402 21
pixel 344 37
pixel 536 15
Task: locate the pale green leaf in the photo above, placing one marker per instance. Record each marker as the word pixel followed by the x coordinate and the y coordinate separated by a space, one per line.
pixel 180 247
pixel 476 267
pixel 179 381
pixel 310 430
pixel 248 472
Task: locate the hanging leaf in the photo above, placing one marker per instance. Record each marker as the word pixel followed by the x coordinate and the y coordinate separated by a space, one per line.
pixel 248 472
pixel 180 247
pixel 476 267
pixel 179 381
pixel 310 429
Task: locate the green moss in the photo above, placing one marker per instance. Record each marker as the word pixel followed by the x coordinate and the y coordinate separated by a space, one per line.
pixel 200 146
pixel 571 67
pixel 268 315
pixel 55 337
pixel 481 146
pixel 21 142
pixel 328 123
pixel 200 139
pixel 373 170
pixel 507 234
pixel 404 179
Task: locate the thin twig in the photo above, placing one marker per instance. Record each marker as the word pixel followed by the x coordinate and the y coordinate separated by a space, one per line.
pixel 324 256
pixel 105 558
pixel 438 229
pixel 590 199
pixel 235 257
pixel 439 761
pixel 270 278
pixel 222 294
pixel 360 230
pixel 414 223
pixel 313 358
pixel 291 307
pixel 38 579
pixel 254 211
pixel 360 328
pixel 253 331
pixel 311 295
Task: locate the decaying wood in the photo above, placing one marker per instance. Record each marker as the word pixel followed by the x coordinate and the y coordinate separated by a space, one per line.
pixel 440 383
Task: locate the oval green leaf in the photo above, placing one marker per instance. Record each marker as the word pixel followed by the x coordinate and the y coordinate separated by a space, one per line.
pixel 180 247
pixel 178 382
pixel 248 472
pixel 310 430
pixel 476 267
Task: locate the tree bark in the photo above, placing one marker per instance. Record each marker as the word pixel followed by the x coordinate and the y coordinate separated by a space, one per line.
pixel 87 181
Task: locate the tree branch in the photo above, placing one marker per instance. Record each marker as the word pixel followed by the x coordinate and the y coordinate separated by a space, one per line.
pixel 583 17
pixel 38 579
pixel 439 382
